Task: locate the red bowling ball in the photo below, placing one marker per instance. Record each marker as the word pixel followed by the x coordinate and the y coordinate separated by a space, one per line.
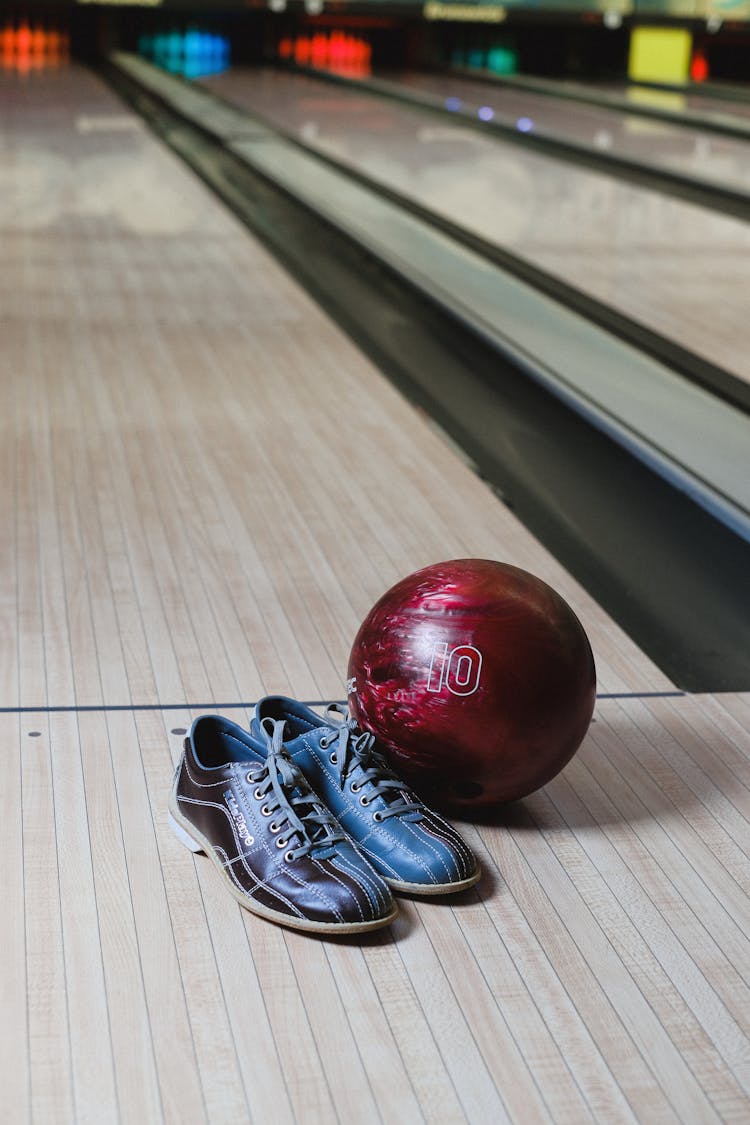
pixel 477 679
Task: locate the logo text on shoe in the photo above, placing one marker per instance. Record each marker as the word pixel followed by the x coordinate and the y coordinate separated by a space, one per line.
pixel 458 670
pixel 239 820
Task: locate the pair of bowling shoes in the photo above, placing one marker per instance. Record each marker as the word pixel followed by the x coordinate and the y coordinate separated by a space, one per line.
pixel 306 822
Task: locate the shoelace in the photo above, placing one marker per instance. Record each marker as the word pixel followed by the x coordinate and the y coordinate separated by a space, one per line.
pixel 297 813
pixel 355 756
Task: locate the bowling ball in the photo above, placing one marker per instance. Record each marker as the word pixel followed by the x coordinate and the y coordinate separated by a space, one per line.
pixel 476 678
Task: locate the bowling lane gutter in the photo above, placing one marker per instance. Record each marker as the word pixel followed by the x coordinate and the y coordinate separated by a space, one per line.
pixel 721 124
pixel 598 379
pixel 694 367
pixel 711 91
pixel 714 197
pixel 635 537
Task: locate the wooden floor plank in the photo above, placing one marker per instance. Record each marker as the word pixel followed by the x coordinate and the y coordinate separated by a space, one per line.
pixel 178 1072
pixel 415 1038
pixel 704 1031
pixel 138 1096
pixel 367 1023
pixel 14 985
pixel 611 1066
pixel 511 1073
pixel 444 1004
pixel 93 1071
pixel 305 1081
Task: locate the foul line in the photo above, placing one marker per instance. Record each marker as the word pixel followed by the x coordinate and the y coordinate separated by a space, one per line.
pixel 248 704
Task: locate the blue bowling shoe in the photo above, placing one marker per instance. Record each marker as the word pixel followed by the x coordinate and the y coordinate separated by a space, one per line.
pixel 413 848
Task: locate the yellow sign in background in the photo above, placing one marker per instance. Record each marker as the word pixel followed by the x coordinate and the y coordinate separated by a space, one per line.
pixel 660 54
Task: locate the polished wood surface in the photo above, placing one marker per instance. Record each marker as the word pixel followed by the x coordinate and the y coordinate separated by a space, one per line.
pixel 205 487
pixel 677 268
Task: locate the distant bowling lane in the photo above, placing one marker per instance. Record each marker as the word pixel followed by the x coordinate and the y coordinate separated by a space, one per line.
pixel 695 152
pixel 706 104
pixel 679 269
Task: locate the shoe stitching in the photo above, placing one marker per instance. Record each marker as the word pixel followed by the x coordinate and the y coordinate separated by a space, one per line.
pixel 201 784
pixel 209 805
pixel 273 890
pixel 308 723
pixel 462 854
pixel 280 865
pixel 379 860
pixel 217 847
pixel 350 805
pixel 450 839
pixel 258 885
pixel 346 867
pixel 460 844
pixel 370 877
pixel 327 903
pixel 384 834
pixel 438 821
pixel 256 756
pixel 348 889
pixel 379 831
pixel 264 884
pixel 242 858
pixel 435 851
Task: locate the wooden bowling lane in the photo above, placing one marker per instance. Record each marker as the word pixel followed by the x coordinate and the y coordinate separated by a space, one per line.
pixel 677 268
pixel 205 487
pixel 705 100
pixel 695 152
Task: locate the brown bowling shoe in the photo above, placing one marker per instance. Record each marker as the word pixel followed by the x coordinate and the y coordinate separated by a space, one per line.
pixel 279 850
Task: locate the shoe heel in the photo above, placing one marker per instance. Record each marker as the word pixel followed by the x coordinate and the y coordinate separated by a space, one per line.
pixel 183 837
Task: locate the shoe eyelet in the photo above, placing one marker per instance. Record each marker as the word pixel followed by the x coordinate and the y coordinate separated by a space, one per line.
pixel 281 842
pixel 332 758
pixel 354 787
pixel 377 815
pixel 364 799
pixel 265 811
pixel 274 827
pixel 257 791
pixel 249 778
pixel 289 857
pixel 325 743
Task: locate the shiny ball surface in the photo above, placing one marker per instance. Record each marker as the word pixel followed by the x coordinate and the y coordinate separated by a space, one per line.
pixel 477 679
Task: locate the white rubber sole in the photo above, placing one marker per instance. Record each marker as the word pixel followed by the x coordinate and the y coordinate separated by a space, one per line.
pixel 190 838
pixel 434 888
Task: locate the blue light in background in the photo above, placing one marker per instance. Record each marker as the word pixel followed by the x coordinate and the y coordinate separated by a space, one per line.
pixel 485 113
pixel 453 104
pixel 524 124
pixel 192 53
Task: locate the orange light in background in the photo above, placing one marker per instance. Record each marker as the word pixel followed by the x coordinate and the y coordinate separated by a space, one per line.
pixel 23 48
pixel 302 50
pixel 319 50
pixel 337 51
pixel 699 67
